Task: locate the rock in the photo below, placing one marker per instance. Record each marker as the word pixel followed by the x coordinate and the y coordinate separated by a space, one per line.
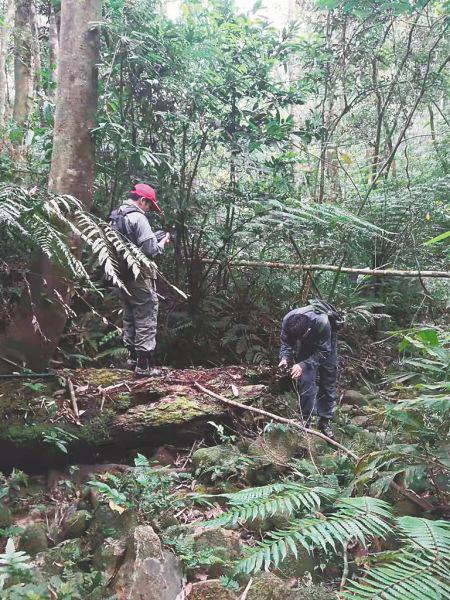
pixel 360 420
pixel 107 556
pixel 354 397
pixel 210 590
pixel 147 572
pixel 76 524
pixel 5 516
pixel 223 460
pixel 53 561
pixel 223 544
pixel 311 592
pixel 33 540
pixel 267 586
pixel 272 453
pixel 107 523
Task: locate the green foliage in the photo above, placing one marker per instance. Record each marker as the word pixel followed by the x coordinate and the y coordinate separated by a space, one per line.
pixel 14 564
pixel 419 570
pixel 284 497
pixel 60 438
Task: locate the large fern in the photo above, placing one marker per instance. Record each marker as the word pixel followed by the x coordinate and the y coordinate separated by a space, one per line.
pixel 284 497
pixel 352 519
pixel 419 571
pixel 50 223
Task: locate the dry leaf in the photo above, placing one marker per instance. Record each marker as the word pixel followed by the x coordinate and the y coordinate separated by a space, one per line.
pixel 116 507
pixel 235 390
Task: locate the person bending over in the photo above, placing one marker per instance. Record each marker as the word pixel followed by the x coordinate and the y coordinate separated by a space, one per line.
pixel 308 338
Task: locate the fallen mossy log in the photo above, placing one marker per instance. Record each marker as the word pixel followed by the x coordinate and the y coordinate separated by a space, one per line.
pixel 93 414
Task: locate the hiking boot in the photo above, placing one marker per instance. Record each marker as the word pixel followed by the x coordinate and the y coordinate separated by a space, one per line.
pixel 145 365
pixel 132 359
pixel 325 428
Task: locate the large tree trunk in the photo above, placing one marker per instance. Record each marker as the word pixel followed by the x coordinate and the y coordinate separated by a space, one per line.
pixel 7 11
pixel 23 79
pixel 53 41
pixel 42 314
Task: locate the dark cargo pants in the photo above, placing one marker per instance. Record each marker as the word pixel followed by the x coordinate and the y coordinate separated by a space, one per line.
pixel 319 399
pixel 140 315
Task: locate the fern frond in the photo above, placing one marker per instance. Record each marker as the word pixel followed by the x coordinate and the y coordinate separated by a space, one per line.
pixel 287 498
pixel 408 577
pixel 424 534
pixel 355 519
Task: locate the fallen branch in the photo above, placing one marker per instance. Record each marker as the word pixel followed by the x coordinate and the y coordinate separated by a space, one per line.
pixel 73 399
pixel 424 505
pixel 277 418
pixel 333 268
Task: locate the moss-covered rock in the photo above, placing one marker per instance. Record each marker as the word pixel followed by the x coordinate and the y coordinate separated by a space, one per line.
pixel 5 516
pixel 354 397
pixel 33 539
pixel 218 462
pixel 210 590
pixel 267 586
pixel 107 523
pixel 70 552
pixel 224 546
pixel 76 524
pixel 311 592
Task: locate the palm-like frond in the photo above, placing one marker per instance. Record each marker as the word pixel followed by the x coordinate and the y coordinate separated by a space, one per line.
pixel 353 519
pixel 287 498
pixel 419 571
pixel 50 223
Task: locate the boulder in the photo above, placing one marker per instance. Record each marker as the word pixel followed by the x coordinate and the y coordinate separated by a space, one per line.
pixel 224 546
pixel 147 573
pixel 354 397
pixel 360 420
pixel 216 462
pixel 33 539
pixel 267 586
pixel 5 517
pixel 52 561
pixel 76 524
pixel 210 590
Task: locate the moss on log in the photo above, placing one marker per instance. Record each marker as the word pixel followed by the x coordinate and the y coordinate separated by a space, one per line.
pixel 116 412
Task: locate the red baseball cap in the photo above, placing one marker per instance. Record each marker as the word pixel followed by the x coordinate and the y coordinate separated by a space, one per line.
pixel 145 191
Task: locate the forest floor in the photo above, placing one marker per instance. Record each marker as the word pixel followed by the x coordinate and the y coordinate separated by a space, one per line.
pixel 117 472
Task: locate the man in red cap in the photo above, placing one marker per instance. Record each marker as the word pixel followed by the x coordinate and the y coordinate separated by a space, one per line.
pixel 140 308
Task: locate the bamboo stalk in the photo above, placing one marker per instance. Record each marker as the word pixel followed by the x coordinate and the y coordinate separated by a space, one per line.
pixel 333 268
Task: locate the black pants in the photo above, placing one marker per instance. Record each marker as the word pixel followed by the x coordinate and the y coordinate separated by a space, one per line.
pixel 318 399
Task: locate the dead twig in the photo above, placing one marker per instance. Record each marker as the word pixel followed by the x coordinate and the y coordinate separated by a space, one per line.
pixel 292 422
pixel 73 399
pixel 424 504
pixel 245 592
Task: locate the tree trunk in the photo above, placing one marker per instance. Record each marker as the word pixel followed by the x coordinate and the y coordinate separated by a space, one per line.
pixel 23 79
pixel 7 12
pixel 36 52
pixel 42 314
pixel 53 50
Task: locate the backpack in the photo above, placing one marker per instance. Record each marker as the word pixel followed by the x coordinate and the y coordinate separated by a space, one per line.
pixel 336 317
pixel 116 221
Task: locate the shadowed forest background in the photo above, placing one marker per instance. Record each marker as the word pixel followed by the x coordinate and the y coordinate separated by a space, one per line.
pixel 310 133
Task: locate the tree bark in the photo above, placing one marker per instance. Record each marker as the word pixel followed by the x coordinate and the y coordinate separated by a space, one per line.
pixel 53 50
pixel 40 319
pixel 23 79
pixel 7 12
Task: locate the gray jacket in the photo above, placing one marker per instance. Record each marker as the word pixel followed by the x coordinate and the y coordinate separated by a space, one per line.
pixel 139 232
pixel 314 349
